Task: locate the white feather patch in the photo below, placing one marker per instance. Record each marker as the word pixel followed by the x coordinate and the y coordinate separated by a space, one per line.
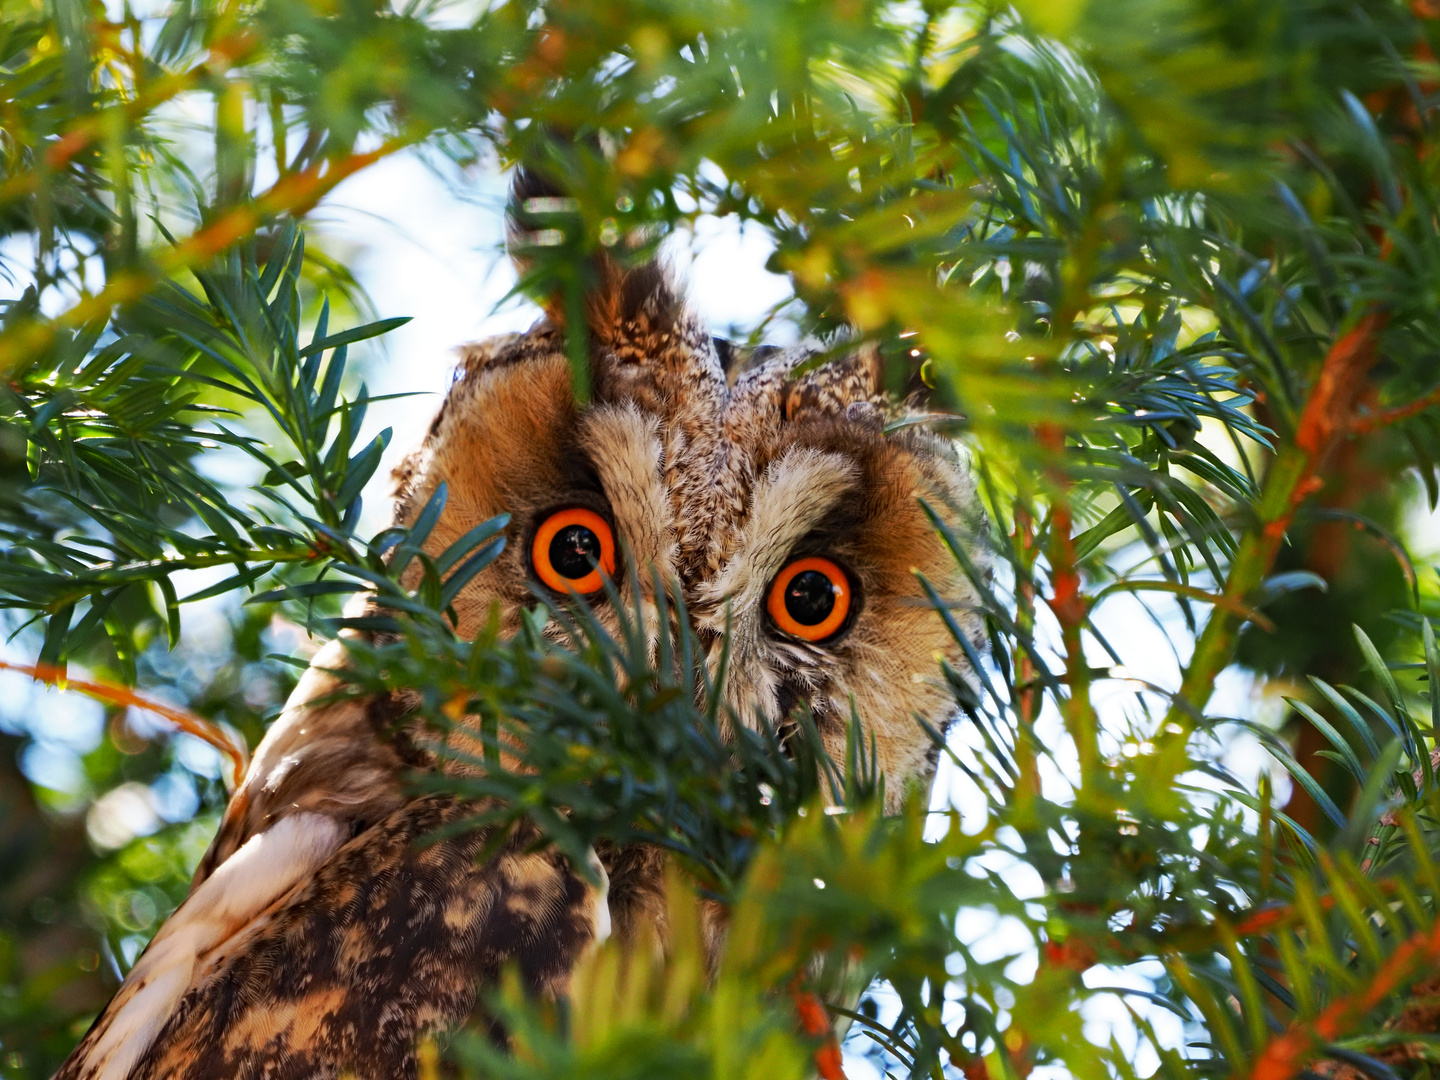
pixel 266 867
pixel 792 498
pixel 602 896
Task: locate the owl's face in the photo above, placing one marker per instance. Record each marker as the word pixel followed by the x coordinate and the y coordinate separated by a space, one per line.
pixel 777 503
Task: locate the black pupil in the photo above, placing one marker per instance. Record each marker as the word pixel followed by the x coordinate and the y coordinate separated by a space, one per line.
pixel 575 552
pixel 810 597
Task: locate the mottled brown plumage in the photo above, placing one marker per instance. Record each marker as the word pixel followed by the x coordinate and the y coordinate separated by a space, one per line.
pixel 391 937
pixel 319 937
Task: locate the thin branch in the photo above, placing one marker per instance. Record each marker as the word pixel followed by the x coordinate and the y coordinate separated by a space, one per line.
pixel 1241 610
pixel 1071 609
pixel 1364 425
pixel 294 194
pixel 1293 477
pixel 186 721
pixel 224 55
pixel 1285 1055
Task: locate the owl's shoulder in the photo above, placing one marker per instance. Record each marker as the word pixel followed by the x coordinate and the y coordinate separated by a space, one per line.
pixel 330 752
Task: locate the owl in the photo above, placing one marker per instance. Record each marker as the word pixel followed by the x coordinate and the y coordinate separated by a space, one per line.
pixel 321 936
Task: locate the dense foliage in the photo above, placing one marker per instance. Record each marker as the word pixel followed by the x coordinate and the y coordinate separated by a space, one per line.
pixel 1169 267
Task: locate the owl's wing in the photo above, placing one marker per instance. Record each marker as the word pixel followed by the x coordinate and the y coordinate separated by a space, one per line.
pixel 329 753
pixel 320 776
pixel 256 879
pixel 388 940
pixel 323 932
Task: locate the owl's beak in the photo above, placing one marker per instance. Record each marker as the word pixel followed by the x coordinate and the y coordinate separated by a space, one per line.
pixel 787 696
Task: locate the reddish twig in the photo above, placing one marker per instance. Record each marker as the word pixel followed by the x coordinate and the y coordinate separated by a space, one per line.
pixel 186 721
pixel 224 54
pixel 1285 1054
pixel 1293 477
pixel 294 194
pixel 1364 425
pixel 1080 950
pixel 815 1022
pixel 1070 607
pixel 1327 411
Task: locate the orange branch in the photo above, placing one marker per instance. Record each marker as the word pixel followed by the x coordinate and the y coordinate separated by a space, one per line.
pixel 224 54
pixel 1070 606
pixel 1080 950
pixel 295 194
pixel 1364 425
pixel 186 721
pixel 1327 411
pixel 1294 476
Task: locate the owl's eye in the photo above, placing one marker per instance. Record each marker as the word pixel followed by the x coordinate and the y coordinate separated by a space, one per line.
pixel 810 599
pixel 572 548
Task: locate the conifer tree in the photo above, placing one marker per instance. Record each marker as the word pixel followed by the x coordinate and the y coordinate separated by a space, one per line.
pixel 1169 269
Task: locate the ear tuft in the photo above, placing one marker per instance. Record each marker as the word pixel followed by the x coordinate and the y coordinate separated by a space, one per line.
pixel 643 342
pixel 620 301
pixel 631 309
pixel 831 389
pixel 530 213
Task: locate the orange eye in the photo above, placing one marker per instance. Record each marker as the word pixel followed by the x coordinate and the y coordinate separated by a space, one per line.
pixel 572 548
pixel 810 599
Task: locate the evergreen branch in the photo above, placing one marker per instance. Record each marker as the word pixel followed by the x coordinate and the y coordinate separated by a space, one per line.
pixel 1294 475
pixel 1197 938
pixel 1073 205
pixel 294 193
pixel 107 577
pixel 225 53
pixel 1285 1055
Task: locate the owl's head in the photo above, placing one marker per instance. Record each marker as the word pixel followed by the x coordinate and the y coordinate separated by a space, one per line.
pixel 784 506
